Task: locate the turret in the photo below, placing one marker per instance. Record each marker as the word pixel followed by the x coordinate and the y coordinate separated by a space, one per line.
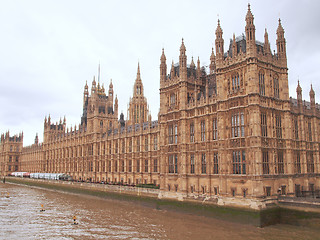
pixel 234 46
pixel 116 106
pixel 111 90
pixel 299 94
pixel 281 42
pixel 198 69
pixel 183 61
pixel 36 139
pixel 172 73
pixel 312 97
pixel 250 34
pixel 93 87
pixel 163 67
pixel 212 62
pixel 219 42
pixel 266 47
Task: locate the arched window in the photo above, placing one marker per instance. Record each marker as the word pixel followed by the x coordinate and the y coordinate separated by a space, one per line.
pixel 261 84
pixel 276 87
pixel 235 82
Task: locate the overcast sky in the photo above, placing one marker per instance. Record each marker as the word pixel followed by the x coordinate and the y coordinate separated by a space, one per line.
pixel 48 49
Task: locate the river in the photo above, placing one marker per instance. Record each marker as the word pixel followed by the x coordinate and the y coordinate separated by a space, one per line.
pixel 21 218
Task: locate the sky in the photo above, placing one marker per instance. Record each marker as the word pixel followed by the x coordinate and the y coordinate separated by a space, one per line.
pixel 49 49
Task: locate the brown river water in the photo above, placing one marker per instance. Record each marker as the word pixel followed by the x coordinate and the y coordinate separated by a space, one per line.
pixel 20 218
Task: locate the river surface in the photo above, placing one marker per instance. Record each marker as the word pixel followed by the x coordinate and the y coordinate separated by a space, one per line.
pixel 20 218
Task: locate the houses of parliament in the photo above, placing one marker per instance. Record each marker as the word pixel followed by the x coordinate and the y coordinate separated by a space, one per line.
pixel 230 131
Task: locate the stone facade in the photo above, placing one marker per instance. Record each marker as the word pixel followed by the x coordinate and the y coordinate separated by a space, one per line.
pixel 231 131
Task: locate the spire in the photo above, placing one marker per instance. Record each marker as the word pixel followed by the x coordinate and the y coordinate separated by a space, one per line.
pixel 198 63
pixel 138 72
pixel 234 46
pixel 219 41
pixel 182 48
pixel 111 90
pixel 299 92
pixel 172 70
pixel 93 87
pixel 183 57
pixel 192 65
pixel 212 61
pixel 250 33
pixel 198 69
pixel 281 41
pixel 249 16
pixel 183 62
pixel 266 46
pixel 99 74
pixel 163 67
pixel 311 94
pixel 163 57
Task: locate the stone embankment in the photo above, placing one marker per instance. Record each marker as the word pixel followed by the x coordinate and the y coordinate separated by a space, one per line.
pixel 255 212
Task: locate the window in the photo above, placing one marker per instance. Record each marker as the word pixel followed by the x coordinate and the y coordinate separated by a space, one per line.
pixel 264 132
pixel 109 166
pixel 130 145
pixel 122 166
pixel 172 100
pixel 138 144
pixel 261 84
pixel 276 87
pixel 265 162
pixel 10 158
pixel 310 162
pixel 297 164
pixel 203 163
pixel 203 131
pixel 130 166
pixel 173 134
pixel 309 130
pixel 138 165
pixel 237 125
pixel 138 90
pixel 239 162
pixel 215 163
pixel 173 163
pixel 268 191
pixel 123 146
pixel 278 126
pixel 146 143
pixel 116 147
pixel 155 143
pixel 146 165
pixel 214 129
pixel 155 165
pixel 116 166
pixel 235 82
pixel 295 128
pixel 280 166
pixel 192 163
pixel 191 132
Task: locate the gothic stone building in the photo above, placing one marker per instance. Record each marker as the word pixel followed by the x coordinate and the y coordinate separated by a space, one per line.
pixel 231 131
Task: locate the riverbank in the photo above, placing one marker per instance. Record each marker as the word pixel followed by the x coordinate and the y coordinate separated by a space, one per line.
pixel 149 197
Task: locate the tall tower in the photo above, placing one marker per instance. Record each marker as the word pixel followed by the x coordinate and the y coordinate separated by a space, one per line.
pixel 100 113
pixel 138 106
